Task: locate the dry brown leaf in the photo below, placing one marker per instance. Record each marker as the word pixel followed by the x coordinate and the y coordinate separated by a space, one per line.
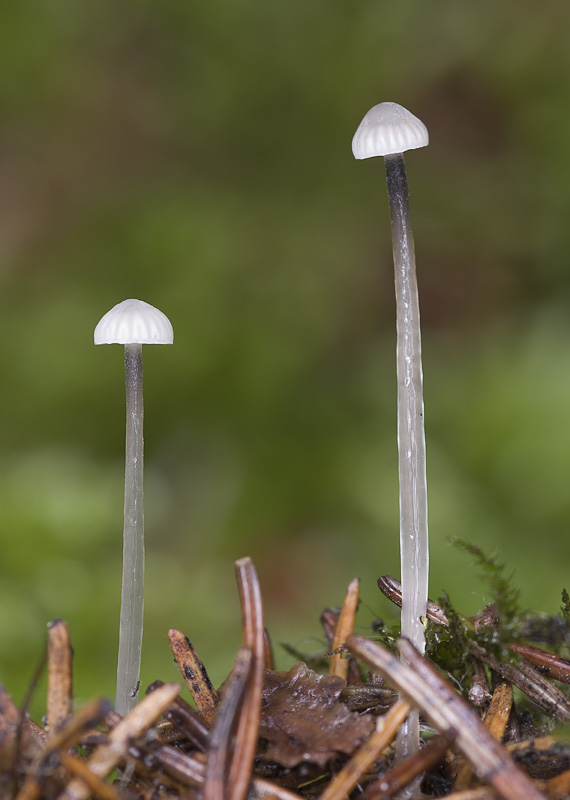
pixel 303 720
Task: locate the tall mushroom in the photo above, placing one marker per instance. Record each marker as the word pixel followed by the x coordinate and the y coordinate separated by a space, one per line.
pixel 132 323
pixel 389 130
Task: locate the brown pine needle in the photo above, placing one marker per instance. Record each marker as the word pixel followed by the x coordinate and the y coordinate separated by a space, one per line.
pixel 191 773
pixel 269 660
pixel 495 721
pixel 184 768
pixel 268 789
pixel 559 787
pixel 31 789
pixel 499 710
pixel 345 626
pixel 17 738
pixel 183 755
pixel 407 770
pixel 254 639
pixel 222 736
pixel 392 589
pixel 386 728
pixel 66 737
pixel 189 721
pixel 60 678
pixel 329 621
pixel 97 787
pixel 76 727
pixel 109 755
pixel 194 674
pixel 421 685
pixel 529 680
pixel 556 666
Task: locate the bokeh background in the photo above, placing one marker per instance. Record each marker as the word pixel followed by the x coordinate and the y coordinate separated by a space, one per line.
pixel 197 156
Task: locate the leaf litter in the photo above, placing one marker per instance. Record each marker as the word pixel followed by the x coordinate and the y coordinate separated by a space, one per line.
pixel 491 691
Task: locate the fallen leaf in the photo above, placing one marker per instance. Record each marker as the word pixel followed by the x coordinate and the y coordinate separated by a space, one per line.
pixel 303 720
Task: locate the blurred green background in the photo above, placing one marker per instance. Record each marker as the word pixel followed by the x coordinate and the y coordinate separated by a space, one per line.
pixel 197 156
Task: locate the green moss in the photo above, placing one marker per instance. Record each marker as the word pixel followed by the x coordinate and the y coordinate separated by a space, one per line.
pixel 565 609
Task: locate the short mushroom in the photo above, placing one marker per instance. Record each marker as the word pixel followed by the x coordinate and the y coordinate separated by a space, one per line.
pixel 132 323
pixel 389 130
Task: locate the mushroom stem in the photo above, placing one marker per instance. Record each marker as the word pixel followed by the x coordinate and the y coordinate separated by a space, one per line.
pixel 414 553
pixel 132 594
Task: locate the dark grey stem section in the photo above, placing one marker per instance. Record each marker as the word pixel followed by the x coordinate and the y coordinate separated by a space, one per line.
pixel 414 555
pixel 132 595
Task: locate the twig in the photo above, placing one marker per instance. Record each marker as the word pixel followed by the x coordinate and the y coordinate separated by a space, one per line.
pixel 194 674
pixel 449 713
pixel 344 627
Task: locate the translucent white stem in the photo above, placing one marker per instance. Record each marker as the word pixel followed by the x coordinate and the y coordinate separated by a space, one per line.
pixel 414 556
pixel 132 594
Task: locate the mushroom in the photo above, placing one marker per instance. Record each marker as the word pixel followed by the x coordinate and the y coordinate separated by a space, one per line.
pixel 389 130
pixel 132 323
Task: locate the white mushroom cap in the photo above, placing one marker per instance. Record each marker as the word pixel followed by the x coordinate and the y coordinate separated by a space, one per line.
pixel 134 322
pixel 386 129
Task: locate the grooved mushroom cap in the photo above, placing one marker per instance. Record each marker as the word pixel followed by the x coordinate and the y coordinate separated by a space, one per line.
pixel 134 322
pixel 386 129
